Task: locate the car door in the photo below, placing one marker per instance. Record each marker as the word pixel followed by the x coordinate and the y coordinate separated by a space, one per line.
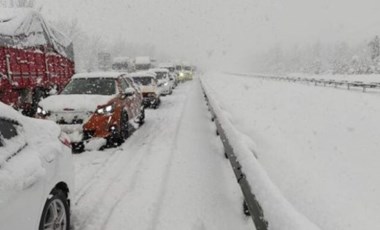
pixel 137 99
pixel 21 197
pixel 127 101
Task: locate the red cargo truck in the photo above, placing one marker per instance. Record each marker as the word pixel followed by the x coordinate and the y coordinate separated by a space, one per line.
pixel 35 59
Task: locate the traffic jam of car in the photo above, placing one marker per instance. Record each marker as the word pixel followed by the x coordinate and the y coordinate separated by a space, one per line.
pixel 44 119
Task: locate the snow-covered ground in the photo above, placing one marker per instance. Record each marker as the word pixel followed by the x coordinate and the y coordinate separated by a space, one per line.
pixel 318 145
pixel 170 174
pixel 340 77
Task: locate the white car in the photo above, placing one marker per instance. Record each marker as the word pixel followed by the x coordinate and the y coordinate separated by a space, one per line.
pixel 36 173
pixel 172 74
pixel 148 85
pixel 164 82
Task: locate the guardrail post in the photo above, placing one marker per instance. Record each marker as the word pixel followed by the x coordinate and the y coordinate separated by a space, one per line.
pixel 251 205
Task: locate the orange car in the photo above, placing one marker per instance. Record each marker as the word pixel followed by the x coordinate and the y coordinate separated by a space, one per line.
pixel 95 105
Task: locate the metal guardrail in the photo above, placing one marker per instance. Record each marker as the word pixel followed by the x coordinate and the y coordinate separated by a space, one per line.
pixel 251 203
pixel 319 82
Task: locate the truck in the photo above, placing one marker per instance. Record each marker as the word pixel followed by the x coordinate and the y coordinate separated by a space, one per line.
pixel 35 59
pixel 143 63
pixel 123 64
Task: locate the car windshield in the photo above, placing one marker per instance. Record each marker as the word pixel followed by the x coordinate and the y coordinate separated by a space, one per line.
pixel 95 86
pixel 160 75
pixel 143 80
pixel 188 68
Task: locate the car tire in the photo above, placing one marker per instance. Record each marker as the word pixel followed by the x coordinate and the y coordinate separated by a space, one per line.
pixel 77 148
pixel 141 117
pixel 118 137
pixel 124 126
pixel 157 104
pixel 56 211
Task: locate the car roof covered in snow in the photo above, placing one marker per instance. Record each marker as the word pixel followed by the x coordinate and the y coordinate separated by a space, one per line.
pixel 166 65
pixel 159 70
pixel 98 75
pixel 142 74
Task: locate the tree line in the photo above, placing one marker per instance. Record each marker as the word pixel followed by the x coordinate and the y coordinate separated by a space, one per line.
pixel 323 58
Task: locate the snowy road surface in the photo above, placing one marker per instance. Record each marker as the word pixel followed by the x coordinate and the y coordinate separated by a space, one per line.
pixel 319 145
pixel 170 174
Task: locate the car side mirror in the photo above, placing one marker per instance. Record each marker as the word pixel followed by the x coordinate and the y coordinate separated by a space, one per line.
pixel 129 92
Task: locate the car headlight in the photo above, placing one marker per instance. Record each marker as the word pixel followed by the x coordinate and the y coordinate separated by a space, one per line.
pixel 166 83
pixel 106 110
pixel 41 111
pixel 181 74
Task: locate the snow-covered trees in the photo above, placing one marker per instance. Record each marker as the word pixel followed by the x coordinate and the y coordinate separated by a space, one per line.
pixel 17 3
pixel 318 58
pixel 374 47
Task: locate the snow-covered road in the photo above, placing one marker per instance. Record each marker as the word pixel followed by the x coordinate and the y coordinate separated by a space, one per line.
pixel 170 174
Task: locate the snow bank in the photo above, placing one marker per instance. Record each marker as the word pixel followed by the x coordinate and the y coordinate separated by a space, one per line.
pixel 316 148
pixel 340 77
pixel 279 213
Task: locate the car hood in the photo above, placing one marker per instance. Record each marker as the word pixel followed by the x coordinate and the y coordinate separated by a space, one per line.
pixel 148 89
pixel 63 102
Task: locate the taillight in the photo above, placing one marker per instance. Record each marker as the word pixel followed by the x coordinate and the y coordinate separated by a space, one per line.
pixel 65 139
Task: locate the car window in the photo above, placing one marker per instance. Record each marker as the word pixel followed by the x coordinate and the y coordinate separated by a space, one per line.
pixel 160 75
pixel 96 86
pixel 143 80
pixel 8 130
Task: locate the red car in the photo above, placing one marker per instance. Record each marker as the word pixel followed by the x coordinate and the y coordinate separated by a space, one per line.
pixel 95 105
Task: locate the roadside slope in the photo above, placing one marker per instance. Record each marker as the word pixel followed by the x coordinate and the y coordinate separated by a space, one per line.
pixel 318 145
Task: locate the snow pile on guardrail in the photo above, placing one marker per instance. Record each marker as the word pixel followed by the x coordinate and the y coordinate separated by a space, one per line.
pixel 279 213
pixel 318 145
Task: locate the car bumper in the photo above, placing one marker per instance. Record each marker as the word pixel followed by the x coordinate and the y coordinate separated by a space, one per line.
pixel 148 101
pixel 75 132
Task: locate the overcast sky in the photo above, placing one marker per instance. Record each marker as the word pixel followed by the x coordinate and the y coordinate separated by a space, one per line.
pixel 222 30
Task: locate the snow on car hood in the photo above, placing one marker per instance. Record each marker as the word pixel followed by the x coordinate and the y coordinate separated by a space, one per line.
pixel 148 88
pixel 74 102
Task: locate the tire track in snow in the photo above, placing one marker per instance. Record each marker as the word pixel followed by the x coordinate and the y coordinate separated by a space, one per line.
pixel 146 162
pixel 118 172
pixel 115 155
pixel 100 170
pixel 166 174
